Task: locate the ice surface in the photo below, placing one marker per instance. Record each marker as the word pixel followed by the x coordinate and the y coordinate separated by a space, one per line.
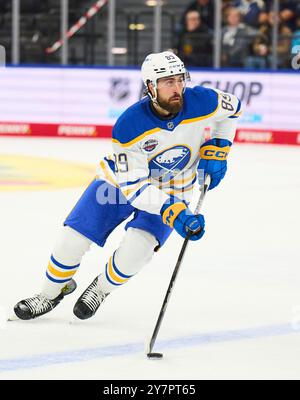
pixel 235 309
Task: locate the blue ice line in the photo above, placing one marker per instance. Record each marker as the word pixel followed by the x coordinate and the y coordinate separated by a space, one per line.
pixel 43 360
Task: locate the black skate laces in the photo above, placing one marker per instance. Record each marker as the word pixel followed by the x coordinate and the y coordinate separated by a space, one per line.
pixel 38 304
pixel 93 296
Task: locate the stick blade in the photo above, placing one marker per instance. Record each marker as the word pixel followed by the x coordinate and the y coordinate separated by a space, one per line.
pixel 155 356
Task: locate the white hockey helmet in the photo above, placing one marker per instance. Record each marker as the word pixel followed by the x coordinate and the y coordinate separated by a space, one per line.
pixel 160 65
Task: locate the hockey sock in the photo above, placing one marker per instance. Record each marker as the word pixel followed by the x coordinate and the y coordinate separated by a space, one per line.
pixel 64 261
pixel 135 251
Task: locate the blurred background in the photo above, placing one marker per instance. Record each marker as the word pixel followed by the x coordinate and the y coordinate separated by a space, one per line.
pixel 68 70
pixel 72 66
pixel 253 34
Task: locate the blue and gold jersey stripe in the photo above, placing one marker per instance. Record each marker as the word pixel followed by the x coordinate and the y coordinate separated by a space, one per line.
pixel 138 138
pixel 108 174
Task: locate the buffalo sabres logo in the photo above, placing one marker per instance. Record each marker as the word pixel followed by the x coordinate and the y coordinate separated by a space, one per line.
pixel 169 162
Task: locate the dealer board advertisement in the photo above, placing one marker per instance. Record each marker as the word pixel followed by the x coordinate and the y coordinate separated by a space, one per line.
pixel 86 102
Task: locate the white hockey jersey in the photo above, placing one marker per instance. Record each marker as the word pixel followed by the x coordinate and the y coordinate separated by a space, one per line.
pixel 155 158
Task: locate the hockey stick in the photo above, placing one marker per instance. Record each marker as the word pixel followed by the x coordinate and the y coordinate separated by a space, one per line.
pixel 150 346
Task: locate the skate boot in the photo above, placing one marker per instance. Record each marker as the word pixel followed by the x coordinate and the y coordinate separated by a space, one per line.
pixel 38 305
pixel 90 300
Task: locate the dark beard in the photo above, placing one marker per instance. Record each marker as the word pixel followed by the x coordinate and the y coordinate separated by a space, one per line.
pixel 171 108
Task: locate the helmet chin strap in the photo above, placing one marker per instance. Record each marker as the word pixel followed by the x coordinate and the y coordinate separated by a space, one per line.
pixel 153 98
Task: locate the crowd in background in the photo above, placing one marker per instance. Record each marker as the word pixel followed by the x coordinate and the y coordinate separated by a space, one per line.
pixel 247 29
pixel 246 36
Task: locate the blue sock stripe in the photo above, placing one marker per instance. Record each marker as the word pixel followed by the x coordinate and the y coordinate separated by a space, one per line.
pixel 116 269
pixel 61 265
pixel 57 280
pixel 109 280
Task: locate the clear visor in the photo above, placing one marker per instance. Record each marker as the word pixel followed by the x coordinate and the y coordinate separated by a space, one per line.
pixel 172 79
pixel 182 78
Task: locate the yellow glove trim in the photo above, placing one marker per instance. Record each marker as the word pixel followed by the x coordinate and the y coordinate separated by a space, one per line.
pixel 211 152
pixel 171 213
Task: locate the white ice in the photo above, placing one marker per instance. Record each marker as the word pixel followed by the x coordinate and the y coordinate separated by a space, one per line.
pixel 235 309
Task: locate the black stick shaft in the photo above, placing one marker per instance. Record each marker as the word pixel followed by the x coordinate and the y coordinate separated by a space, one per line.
pixel 175 272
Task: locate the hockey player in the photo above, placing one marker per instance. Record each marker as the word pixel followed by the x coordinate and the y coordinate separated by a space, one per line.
pixel 158 146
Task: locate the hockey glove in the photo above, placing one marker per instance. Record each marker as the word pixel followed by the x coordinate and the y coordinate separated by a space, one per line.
pixel 213 154
pixel 179 217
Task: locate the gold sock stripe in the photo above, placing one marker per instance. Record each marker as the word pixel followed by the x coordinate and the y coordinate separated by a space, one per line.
pixel 171 213
pixel 59 274
pixel 113 275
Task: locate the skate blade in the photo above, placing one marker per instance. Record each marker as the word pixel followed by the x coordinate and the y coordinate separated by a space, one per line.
pixel 13 317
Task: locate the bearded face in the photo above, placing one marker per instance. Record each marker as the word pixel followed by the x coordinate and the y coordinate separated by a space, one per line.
pixel 172 104
pixel 170 93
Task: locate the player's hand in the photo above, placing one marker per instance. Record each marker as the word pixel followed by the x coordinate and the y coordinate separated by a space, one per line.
pixel 179 217
pixel 213 155
pixel 187 222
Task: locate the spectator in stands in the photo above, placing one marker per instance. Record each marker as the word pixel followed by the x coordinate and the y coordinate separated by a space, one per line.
pixel 195 42
pixel 287 11
pixel 205 9
pixel 226 4
pixel 252 11
pixel 236 40
pixel 262 45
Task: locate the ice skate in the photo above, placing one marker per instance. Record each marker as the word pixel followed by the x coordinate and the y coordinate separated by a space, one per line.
pixel 39 304
pixel 90 300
